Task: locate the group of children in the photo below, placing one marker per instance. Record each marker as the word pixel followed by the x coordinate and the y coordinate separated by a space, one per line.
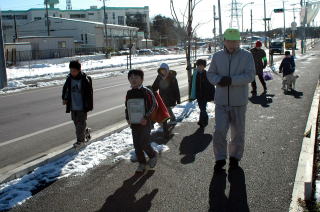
pixel 143 102
pixel 144 105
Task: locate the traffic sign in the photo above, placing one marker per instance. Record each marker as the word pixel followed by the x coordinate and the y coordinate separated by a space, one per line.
pixel 280 10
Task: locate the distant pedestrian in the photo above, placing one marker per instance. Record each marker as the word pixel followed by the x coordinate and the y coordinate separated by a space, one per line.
pixel 202 90
pixel 287 68
pixel 167 84
pixel 77 95
pixel 260 60
pixel 231 70
pixel 140 104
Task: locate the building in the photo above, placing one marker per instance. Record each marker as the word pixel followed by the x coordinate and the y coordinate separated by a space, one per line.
pixel 85 34
pixel 13 20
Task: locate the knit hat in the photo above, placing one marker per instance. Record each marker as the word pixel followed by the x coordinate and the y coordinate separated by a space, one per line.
pixel 164 66
pixel 258 43
pixel 231 34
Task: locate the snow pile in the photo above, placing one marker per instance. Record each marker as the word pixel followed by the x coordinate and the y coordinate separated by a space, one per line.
pixel 189 111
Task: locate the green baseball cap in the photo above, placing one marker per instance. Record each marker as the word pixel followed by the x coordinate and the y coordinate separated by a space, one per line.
pixel 231 34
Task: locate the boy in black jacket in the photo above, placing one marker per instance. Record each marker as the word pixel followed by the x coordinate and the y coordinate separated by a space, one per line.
pixel 287 67
pixel 204 91
pixel 77 95
pixel 140 103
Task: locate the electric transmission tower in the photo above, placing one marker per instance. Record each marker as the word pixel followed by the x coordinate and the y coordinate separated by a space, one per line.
pixel 235 14
pixel 68 5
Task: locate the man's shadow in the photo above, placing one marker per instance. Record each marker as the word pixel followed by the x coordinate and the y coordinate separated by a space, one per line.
pixel 296 94
pixel 264 99
pixel 237 200
pixel 123 199
pixel 193 144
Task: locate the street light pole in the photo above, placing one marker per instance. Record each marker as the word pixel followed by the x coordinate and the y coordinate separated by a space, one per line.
pixel 214 28
pixel 47 14
pixel 242 14
pixel 3 72
pixel 265 24
pixel 220 24
pixel 284 22
pixel 105 22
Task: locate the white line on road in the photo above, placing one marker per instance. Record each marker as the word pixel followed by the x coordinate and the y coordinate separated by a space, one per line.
pixel 55 127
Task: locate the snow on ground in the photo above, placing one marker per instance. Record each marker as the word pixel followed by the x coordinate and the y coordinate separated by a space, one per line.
pixel 117 146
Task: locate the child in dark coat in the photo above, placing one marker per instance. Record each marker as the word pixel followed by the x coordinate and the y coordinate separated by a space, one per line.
pixel 77 95
pixel 202 90
pixel 140 103
pixel 167 84
pixel 287 68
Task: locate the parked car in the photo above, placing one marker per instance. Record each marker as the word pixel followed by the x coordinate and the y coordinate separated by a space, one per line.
pixel 276 46
pixel 245 46
pixel 145 52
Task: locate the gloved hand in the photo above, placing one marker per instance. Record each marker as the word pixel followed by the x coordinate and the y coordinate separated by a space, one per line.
pixel 225 81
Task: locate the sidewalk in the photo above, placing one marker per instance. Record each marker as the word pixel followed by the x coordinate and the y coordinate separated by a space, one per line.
pixel 184 175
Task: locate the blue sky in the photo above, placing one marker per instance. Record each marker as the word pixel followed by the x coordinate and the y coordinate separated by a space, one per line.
pixel 203 13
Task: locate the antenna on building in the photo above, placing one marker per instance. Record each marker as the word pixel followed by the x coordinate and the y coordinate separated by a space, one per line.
pixel 68 5
pixel 235 14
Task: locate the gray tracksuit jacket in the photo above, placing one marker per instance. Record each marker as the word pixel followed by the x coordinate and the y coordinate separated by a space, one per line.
pixel 240 67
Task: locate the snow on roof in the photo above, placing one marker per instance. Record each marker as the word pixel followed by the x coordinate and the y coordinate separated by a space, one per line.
pixel 94 22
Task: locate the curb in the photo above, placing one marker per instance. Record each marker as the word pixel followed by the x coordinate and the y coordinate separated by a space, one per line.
pixel 302 189
pixel 22 168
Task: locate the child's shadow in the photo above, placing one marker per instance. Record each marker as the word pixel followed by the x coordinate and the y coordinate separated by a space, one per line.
pixel 296 94
pixel 123 199
pixel 264 99
pixel 193 144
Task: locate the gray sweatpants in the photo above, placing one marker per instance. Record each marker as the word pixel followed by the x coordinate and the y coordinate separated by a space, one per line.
pixel 233 117
pixel 79 119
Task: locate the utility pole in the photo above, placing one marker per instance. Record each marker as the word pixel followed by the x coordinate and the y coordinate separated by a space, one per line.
pixel 3 72
pixel 214 28
pixel 47 14
pixel 105 24
pixel 251 24
pixel 265 24
pixel 220 25
pixel 284 22
pixel 15 28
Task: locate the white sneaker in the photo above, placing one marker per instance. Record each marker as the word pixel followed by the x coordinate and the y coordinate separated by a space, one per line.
pixel 141 168
pixel 153 161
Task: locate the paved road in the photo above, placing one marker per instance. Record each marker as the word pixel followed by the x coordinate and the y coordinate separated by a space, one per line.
pixel 184 179
pixel 35 121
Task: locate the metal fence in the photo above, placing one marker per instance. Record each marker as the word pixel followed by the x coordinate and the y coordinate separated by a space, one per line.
pixel 13 56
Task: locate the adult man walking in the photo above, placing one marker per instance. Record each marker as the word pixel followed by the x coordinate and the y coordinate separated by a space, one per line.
pixel 260 60
pixel 231 70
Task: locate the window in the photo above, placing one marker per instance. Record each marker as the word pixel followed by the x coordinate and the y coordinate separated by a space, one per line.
pixel 21 17
pixel 54 15
pixel 90 13
pixel 60 15
pixel 7 17
pixel 37 18
pixel 62 44
pixel 114 15
pixel 121 20
pixel 86 38
pixel 77 15
pixel 6 27
pixel 81 36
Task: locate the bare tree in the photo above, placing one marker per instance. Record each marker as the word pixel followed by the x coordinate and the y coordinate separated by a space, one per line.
pixel 184 22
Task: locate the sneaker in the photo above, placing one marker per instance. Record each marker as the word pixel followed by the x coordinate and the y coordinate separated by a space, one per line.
pixel 87 134
pixel 254 93
pixel 219 165
pixel 233 163
pixel 78 144
pixel 141 168
pixel 153 161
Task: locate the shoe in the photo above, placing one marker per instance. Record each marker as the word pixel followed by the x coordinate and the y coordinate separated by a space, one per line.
pixel 78 144
pixel 141 168
pixel 87 134
pixel 233 163
pixel 254 93
pixel 219 165
pixel 264 91
pixel 153 161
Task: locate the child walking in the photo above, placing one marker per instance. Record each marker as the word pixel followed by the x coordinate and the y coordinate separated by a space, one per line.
pixel 77 95
pixel 202 90
pixel 287 67
pixel 140 103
